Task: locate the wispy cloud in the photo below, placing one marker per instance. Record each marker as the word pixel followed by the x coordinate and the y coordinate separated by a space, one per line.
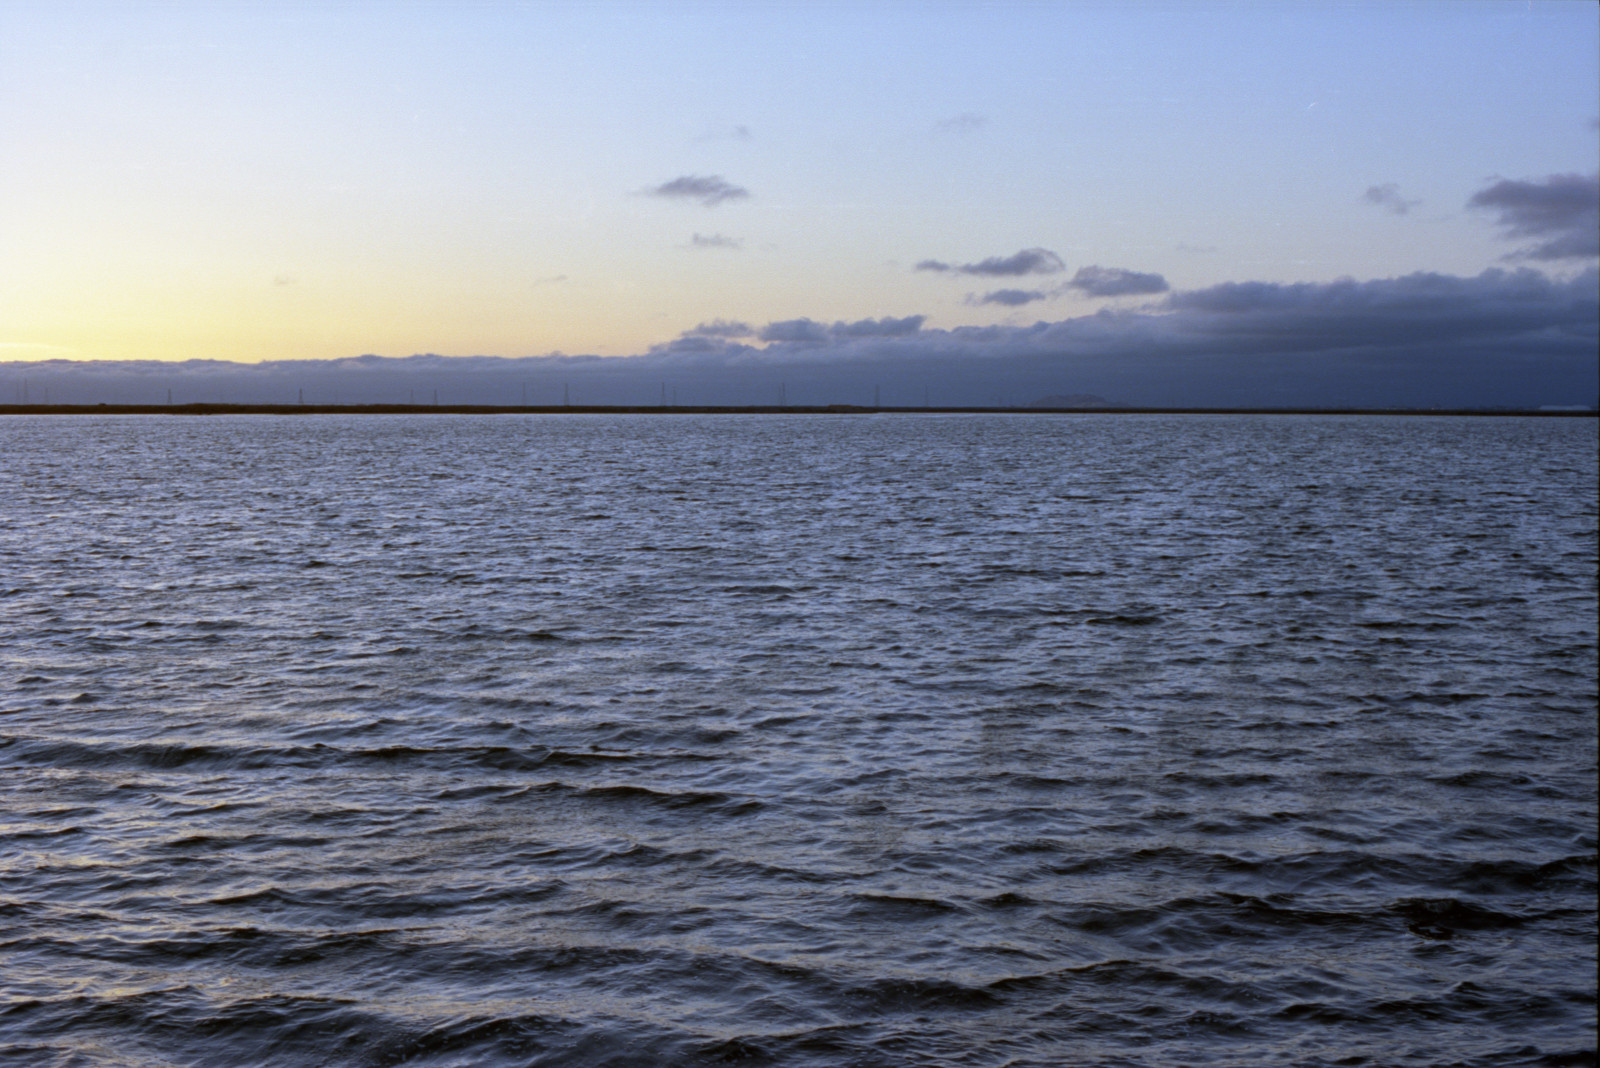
pixel 715 241
pixel 1010 298
pixel 966 122
pixel 1562 209
pixel 1028 261
pixel 709 190
pixel 1388 196
pixel 1116 282
pixel 739 132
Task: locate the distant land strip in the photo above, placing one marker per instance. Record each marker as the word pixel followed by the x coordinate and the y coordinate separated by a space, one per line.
pixel 740 409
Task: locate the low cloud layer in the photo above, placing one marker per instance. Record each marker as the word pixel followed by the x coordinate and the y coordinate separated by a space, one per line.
pixel 1562 212
pixel 714 241
pixel 1028 261
pixel 1116 282
pixel 1502 338
pixel 709 190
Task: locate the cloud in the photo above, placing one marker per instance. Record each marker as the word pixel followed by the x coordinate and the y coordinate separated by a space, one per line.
pixel 803 331
pixel 1504 337
pixel 1011 298
pixel 739 132
pixel 709 190
pixel 1028 261
pixel 885 327
pixel 1116 282
pixel 721 328
pixel 810 332
pixel 1388 196
pixel 714 241
pixel 690 349
pixel 1562 209
pixel 1430 312
pixel 966 122
pixel 718 343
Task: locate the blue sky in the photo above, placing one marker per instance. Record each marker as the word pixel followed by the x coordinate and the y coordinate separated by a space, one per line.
pixel 263 181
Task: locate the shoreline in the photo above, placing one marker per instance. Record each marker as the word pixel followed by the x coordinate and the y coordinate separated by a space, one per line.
pixel 209 408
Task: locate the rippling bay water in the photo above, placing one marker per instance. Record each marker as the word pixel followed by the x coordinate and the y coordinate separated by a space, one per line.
pixel 814 741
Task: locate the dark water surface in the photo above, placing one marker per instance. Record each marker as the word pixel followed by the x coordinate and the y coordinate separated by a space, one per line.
pixel 899 741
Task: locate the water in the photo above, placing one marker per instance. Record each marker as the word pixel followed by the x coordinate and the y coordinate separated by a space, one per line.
pixel 873 741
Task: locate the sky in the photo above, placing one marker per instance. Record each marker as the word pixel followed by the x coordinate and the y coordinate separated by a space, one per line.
pixel 1140 193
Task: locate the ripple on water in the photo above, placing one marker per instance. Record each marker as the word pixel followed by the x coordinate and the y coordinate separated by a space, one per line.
pixel 610 741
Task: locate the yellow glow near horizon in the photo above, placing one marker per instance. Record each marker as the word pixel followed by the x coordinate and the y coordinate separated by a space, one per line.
pixel 286 181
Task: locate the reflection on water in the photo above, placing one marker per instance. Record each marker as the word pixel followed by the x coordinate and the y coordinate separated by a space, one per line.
pixel 803 741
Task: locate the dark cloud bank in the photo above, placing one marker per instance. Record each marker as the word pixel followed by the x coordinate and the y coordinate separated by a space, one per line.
pixel 1561 213
pixel 1504 338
